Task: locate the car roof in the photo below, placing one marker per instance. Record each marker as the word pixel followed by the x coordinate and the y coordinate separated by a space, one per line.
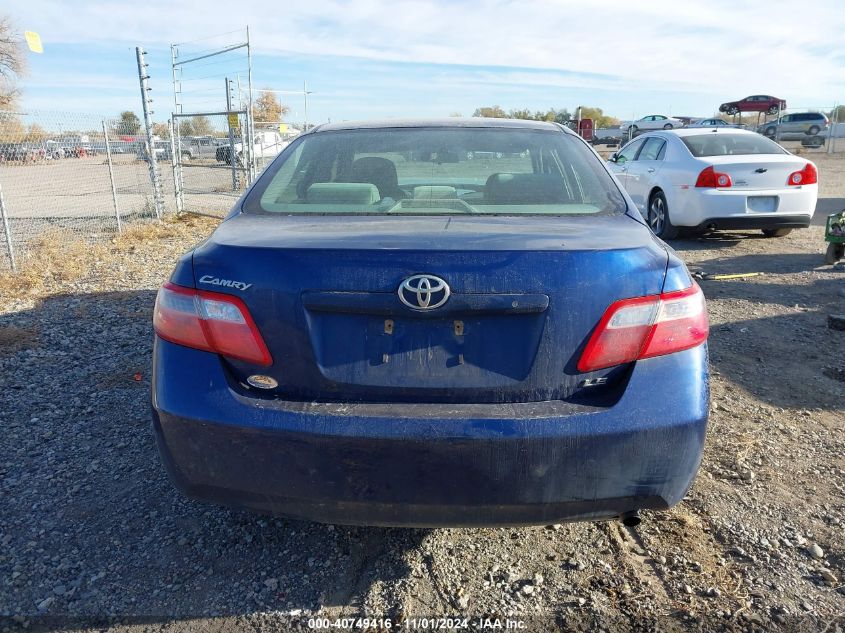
pixel 450 122
pixel 705 130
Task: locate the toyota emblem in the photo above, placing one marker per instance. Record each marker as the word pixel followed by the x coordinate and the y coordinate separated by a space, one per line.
pixel 424 292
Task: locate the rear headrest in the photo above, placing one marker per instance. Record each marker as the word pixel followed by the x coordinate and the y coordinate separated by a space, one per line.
pixel 526 189
pixel 342 193
pixel 434 192
pixel 378 171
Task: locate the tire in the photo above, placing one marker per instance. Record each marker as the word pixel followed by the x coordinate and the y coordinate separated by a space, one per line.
pixel 634 130
pixel 814 129
pixel 772 110
pixel 834 253
pixel 776 232
pixel 186 156
pixel 769 131
pixel 668 126
pixel 658 217
pixel 732 111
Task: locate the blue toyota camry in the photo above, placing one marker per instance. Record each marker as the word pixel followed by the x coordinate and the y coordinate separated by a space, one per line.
pixel 433 323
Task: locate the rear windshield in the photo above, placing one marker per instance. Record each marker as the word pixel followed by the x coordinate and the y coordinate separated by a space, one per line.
pixel 427 171
pixel 711 144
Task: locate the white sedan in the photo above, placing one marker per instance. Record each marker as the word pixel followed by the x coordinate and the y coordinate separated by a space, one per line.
pixel 651 122
pixel 706 179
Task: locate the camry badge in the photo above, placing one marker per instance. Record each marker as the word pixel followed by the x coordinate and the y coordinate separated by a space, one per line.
pixel 424 292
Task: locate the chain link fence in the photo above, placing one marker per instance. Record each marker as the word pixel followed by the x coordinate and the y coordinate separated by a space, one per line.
pixel 78 174
pixel 210 160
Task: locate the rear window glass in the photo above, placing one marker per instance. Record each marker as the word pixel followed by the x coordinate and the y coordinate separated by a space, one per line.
pixel 426 171
pixel 711 144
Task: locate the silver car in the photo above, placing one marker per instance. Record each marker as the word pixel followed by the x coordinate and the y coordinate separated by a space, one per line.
pixel 795 126
pixel 718 123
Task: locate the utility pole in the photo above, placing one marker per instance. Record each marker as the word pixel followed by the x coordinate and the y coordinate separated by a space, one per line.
pixel 232 157
pixel 148 124
pixel 305 97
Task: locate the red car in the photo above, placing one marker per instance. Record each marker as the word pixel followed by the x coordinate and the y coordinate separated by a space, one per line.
pixel 754 103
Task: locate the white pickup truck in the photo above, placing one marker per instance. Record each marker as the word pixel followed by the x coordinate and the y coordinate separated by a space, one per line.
pixel 268 144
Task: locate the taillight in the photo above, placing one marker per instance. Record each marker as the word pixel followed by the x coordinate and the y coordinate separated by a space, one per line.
pixel 807 176
pixel 644 327
pixel 209 321
pixel 709 177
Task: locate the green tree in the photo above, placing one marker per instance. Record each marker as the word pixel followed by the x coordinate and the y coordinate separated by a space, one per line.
pixel 201 126
pixel 129 123
pixel 494 112
pixel 520 114
pixel 600 119
pixel 186 127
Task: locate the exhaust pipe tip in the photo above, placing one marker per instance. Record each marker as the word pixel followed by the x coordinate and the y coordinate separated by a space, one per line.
pixel 631 519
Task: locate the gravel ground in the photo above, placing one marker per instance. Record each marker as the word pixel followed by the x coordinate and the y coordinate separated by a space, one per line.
pixel 93 534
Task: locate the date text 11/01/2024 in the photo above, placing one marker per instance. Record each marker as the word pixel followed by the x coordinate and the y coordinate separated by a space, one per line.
pixel 418 624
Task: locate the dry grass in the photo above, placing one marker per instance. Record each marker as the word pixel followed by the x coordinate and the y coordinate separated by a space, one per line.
pixel 53 258
pixel 57 259
pixel 185 226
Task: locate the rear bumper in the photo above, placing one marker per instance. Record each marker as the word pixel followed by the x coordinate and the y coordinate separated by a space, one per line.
pixel 431 465
pixel 758 222
pixel 743 209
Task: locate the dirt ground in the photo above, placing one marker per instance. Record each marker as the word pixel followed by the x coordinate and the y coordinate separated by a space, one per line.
pixel 92 535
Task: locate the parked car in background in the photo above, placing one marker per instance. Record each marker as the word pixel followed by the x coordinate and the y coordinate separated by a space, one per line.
pixel 369 340
pixel 705 179
pixel 607 136
pixel 195 147
pixel 651 122
pixel 268 144
pixel 162 150
pixel 796 126
pixel 754 103
pixel 711 123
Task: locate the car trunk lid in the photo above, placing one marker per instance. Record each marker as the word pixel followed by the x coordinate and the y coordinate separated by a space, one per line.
pixel 526 293
pixel 757 171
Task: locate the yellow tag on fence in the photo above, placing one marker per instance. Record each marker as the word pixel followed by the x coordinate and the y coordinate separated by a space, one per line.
pixel 233 120
pixel 33 40
pixel 283 128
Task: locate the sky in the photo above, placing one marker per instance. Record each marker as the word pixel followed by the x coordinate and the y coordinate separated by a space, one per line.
pixel 364 59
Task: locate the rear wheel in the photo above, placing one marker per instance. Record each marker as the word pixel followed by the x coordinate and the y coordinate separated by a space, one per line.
pixel 834 253
pixel 776 232
pixel 658 217
pixel 668 126
pixel 814 129
pixel 773 110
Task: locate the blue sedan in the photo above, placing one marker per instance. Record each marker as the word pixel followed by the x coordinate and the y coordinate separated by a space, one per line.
pixel 386 332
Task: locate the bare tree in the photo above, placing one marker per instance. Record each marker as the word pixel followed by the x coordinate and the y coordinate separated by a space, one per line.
pixel 12 62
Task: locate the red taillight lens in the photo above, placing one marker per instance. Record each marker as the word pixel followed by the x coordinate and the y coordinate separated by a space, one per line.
pixel 644 327
pixel 709 177
pixel 209 321
pixel 807 176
